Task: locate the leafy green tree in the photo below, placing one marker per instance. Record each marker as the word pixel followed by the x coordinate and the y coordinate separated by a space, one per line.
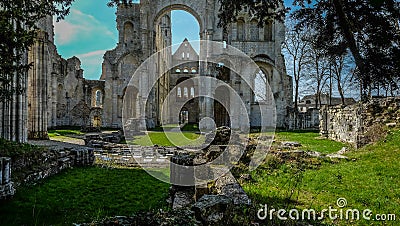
pixel 18 19
pixel 18 32
pixel 368 28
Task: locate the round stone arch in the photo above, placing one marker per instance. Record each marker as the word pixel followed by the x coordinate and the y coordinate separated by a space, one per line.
pixel 97 97
pixel 274 78
pixel 267 65
pixel 264 58
pixel 188 6
pixel 127 65
pixel 268 70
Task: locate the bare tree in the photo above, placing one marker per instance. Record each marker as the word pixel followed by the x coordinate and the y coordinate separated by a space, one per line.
pixel 317 70
pixel 343 72
pixel 296 48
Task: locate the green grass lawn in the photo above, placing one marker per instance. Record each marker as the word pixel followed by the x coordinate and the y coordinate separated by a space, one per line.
pixel 191 127
pixel 55 133
pixel 83 195
pixel 169 139
pixel 311 141
pixel 369 180
pixel 167 127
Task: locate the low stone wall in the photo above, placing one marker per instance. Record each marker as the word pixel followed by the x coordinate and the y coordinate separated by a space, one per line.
pixel 29 168
pixel 343 123
pixel 358 124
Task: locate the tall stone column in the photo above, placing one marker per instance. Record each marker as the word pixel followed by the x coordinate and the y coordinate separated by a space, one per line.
pixel 37 88
pixel 13 110
pixel 54 98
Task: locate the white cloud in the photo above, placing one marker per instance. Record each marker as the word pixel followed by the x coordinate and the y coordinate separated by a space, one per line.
pixel 79 25
pixel 65 32
pixel 92 54
pixel 91 63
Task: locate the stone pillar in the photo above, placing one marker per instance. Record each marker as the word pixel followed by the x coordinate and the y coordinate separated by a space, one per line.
pixel 181 174
pixel 37 89
pixel 114 102
pixel 182 171
pixel 13 110
pixel 53 100
pixel 6 185
pixel 323 121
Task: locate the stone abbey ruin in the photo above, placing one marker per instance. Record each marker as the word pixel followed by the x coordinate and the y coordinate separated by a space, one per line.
pixel 217 102
pixel 59 95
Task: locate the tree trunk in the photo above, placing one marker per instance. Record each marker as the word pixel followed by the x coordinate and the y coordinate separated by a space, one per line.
pixel 349 36
pixel 296 82
pixel 340 89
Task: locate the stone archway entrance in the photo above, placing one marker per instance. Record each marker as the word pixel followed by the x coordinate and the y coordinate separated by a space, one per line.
pixel 162 36
pixel 184 116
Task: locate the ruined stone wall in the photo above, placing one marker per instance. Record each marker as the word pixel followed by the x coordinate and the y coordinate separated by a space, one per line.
pixel 343 124
pixel 359 124
pixel 38 165
pixel 120 63
pixel 58 94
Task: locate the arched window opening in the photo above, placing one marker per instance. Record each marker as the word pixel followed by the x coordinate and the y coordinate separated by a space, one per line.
pixel 178 70
pixel 268 31
pixel 179 92
pixel 128 32
pixel 223 72
pixel 185 70
pixel 254 31
pixel 240 30
pixel 260 87
pixel 98 101
pixel 192 92
pixel 185 92
pixel 194 71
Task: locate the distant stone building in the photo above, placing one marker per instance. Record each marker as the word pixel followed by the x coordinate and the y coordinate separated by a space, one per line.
pixel 145 28
pixel 308 109
pixel 309 102
pixel 185 89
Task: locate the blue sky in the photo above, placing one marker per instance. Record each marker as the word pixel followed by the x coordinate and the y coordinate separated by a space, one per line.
pixel 90 30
